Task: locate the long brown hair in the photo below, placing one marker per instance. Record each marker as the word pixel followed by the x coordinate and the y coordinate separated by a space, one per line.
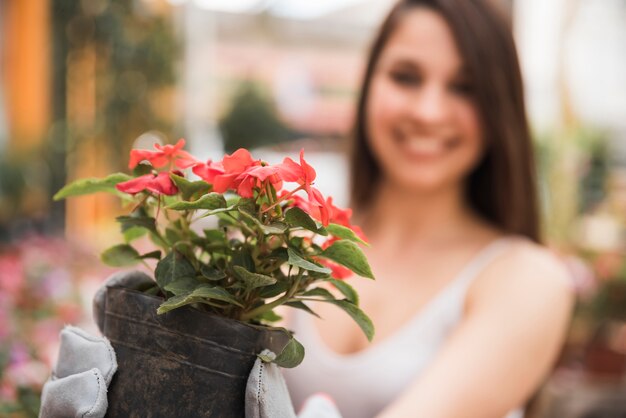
pixel 502 188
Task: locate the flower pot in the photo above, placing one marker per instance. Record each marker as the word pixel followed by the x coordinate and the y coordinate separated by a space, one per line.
pixel 184 363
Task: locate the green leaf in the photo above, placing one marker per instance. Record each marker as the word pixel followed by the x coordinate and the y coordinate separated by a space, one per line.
pixel 211 201
pixel 347 290
pixel 173 236
pixel 270 316
pixel 253 280
pixel 176 302
pixel 189 188
pixel 342 232
pixel 279 253
pixel 133 233
pixel 275 228
pixel 201 294
pixel 214 235
pixel 121 255
pixel 299 218
pixel 211 273
pixel 358 315
pixel 182 286
pixel 298 304
pixel 273 290
pixel 349 254
pixel 296 260
pixel 220 210
pixel 92 185
pixel 128 222
pixel 319 291
pixel 206 291
pixel 243 258
pixel 292 354
pixel 172 267
pixel 152 254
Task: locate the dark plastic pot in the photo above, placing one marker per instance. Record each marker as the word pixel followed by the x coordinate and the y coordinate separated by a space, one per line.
pixel 184 363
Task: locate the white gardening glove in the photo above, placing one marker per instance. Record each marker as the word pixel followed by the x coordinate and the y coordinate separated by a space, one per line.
pixel 78 386
pixel 267 395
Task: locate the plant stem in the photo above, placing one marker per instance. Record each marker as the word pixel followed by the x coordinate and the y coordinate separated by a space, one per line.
pixel 285 197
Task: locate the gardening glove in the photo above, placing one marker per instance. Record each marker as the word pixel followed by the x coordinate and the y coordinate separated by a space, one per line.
pixel 86 364
pixel 78 386
pixel 267 395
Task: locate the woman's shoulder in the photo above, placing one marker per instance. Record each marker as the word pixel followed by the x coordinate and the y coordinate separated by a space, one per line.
pixel 525 275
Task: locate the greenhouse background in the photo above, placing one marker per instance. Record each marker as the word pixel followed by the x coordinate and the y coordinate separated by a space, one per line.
pixel 81 82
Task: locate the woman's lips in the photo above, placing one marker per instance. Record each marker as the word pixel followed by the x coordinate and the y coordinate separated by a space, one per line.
pixel 421 147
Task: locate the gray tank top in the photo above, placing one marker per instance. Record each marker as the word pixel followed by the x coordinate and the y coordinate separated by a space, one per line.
pixel 364 383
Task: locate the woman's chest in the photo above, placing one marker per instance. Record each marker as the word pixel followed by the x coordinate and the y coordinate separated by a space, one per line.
pixel 392 303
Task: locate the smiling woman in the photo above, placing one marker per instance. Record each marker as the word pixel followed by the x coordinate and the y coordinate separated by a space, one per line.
pixel 470 309
pixel 424 126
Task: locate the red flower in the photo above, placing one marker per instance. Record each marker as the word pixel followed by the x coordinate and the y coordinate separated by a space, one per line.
pixel 304 175
pixel 254 176
pixel 338 272
pixel 338 215
pixel 234 166
pixel 301 173
pixel 207 171
pixel 321 204
pixel 159 184
pixel 164 155
pixel 240 172
pixel 342 217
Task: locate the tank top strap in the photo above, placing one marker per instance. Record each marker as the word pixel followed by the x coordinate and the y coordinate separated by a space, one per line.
pixel 480 261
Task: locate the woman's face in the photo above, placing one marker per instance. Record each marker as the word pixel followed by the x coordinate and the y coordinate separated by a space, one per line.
pixel 423 125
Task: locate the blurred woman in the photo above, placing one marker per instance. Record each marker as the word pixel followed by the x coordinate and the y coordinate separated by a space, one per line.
pixel 469 308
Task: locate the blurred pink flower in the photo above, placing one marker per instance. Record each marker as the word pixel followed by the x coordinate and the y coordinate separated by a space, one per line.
pixel 11 274
pixel 18 354
pixel 8 391
pixel 30 373
pixel 608 265
pixel 5 327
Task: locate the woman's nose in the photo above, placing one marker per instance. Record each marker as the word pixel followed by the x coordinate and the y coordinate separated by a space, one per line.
pixel 429 105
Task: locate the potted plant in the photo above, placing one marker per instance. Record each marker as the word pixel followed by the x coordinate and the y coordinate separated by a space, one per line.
pixel 187 342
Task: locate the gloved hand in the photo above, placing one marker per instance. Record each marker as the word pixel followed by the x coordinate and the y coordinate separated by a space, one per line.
pixel 86 365
pixel 84 369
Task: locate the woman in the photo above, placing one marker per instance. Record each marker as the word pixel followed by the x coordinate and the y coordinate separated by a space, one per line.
pixel 469 308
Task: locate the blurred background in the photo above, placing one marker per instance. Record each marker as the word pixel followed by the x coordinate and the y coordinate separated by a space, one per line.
pixel 81 82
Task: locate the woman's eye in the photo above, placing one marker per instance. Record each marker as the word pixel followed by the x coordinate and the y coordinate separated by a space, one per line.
pixel 405 78
pixel 463 88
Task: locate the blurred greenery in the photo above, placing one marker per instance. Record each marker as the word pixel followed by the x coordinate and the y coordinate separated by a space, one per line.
pixel 252 120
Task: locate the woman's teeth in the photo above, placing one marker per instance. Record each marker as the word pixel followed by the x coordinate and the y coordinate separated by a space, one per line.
pixel 425 146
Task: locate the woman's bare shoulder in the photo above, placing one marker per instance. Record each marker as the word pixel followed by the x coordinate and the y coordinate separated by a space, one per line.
pixel 525 274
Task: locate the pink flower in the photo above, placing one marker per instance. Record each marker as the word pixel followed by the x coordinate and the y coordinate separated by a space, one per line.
pixel 164 155
pixel 11 274
pixel 304 175
pixel 239 172
pixel 301 173
pixel 208 171
pixel 159 184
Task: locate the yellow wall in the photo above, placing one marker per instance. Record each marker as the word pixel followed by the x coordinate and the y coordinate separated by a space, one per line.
pixel 26 37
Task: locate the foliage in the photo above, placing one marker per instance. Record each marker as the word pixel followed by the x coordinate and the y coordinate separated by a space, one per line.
pixel 270 245
pixel 251 121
